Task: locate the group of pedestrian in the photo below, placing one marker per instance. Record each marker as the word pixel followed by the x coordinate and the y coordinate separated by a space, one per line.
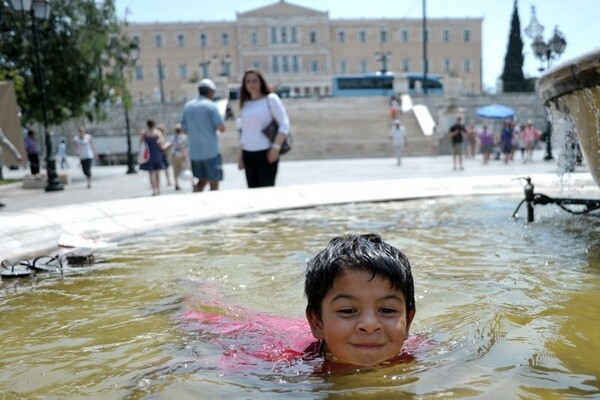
pixel 506 142
pixel 523 138
pixel 82 144
pixel 196 143
pixel 258 157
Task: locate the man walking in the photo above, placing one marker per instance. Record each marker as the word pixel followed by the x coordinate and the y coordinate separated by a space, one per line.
pixel 457 133
pixel 398 135
pixel 201 120
pixel 33 153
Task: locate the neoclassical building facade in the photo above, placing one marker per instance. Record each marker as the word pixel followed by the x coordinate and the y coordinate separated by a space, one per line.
pixel 298 48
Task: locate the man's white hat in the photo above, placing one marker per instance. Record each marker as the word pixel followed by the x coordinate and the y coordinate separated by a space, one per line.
pixel 207 83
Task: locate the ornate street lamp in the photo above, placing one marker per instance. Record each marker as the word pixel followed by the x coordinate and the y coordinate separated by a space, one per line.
pixel 545 50
pixel 225 65
pixel 40 9
pixel 383 59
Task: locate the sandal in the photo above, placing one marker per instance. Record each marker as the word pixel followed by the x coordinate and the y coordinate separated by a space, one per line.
pixel 14 271
pixel 44 264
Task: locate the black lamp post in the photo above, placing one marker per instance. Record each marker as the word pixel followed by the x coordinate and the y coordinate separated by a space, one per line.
pixel 125 58
pixel 161 78
pixel 40 9
pixel 204 64
pixel 545 51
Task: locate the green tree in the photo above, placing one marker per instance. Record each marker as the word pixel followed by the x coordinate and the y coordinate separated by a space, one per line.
pixel 512 76
pixel 74 55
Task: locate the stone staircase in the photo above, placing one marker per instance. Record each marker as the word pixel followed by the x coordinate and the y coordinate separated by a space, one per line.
pixel 340 128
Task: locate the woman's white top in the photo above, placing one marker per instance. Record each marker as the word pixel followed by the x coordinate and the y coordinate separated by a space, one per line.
pixel 84 146
pixel 255 116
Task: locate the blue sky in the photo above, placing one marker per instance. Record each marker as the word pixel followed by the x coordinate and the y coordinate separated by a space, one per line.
pixel 577 19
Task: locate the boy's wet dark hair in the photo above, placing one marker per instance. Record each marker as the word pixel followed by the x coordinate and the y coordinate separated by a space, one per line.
pixel 357 253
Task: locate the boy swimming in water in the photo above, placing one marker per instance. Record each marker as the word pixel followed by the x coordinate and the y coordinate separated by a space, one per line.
pixel 361 300
pixel 361 303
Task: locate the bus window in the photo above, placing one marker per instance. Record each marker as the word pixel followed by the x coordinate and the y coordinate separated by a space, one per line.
pixel 363 85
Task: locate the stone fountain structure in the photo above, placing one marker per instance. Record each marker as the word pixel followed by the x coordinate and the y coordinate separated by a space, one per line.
pixel 571 92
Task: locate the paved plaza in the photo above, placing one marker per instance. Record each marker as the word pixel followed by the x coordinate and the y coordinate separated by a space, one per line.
pixel 119 204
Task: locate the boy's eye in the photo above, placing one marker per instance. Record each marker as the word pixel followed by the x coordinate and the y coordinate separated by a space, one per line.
pixel 346 311
pixel 387 310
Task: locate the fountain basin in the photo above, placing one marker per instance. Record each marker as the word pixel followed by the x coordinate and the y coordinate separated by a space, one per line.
pixel 573 90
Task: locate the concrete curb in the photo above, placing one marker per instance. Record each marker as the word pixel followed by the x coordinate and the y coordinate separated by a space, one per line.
pixel 38 230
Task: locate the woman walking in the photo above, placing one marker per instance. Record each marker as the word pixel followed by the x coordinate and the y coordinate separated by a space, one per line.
pixel 258 107
pixel 179 154
pixel 155 142
pixel 84 148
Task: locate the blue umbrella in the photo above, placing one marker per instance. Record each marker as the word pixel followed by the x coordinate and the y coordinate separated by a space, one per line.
pixel 495 111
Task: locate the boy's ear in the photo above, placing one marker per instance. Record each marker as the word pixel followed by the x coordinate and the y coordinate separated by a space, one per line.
pixel 316 325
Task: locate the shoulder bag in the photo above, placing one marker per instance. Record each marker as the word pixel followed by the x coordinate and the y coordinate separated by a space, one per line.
pixel 272 130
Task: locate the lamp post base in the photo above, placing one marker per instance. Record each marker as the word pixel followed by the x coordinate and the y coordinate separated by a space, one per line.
pixel 54 183
pixel 130 163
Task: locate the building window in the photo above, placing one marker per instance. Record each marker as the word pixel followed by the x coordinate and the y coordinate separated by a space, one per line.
pixel 139 73
pixel 341 36
pixel 225 39
pixel 256 65
pixel 284 34
pixel 203 39
pixel 181 40
pixel 405 36
pixel 364 66
pixel 406 65
pixel 204 65
pixel 273 34
pixel 314 66
pixel 275 64
pixel 342 67
pixel 183 71
pixel 313 37
pixel 294 34
pixel 467 65
pixel 467 35
pixel 446 65
pixel 254 37
pixel 158 39
pixel 226 67
pixel 285 64
pixel 362 36
pixel 383 36
pixel 295 64
pixel 446 35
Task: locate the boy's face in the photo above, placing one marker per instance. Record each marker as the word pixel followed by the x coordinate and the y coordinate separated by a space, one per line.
pixel 364 320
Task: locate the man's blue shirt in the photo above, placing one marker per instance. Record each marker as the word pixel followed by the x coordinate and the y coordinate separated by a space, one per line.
pixel 200 121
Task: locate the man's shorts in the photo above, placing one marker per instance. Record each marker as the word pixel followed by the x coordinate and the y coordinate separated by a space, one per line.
pixel 211 169
pixel 458 148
